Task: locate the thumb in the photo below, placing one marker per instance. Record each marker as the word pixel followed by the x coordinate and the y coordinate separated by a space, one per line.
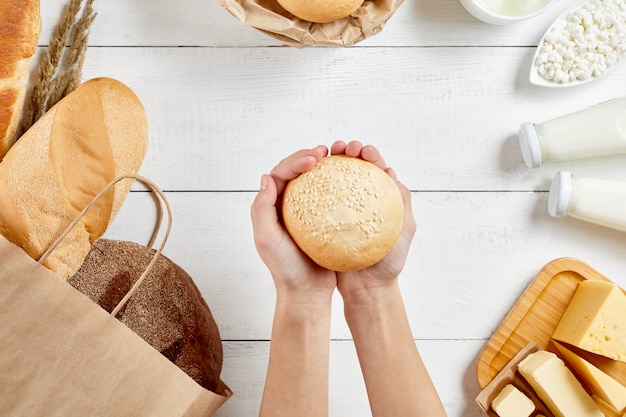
pixel 263 212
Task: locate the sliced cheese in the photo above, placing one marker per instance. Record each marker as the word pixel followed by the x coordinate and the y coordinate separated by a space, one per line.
pixel 598 382
pixel 595 320
pixel 557 386
pixel 511 402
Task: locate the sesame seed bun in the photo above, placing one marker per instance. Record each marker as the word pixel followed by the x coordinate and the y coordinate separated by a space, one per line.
pixel 320 11
pixel 346 214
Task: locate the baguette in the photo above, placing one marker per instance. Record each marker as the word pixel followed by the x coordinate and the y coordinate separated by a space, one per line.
pixel 93 135
pixel 20 26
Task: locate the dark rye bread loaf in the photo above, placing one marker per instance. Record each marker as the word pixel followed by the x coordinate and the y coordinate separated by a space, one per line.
pixel 167 309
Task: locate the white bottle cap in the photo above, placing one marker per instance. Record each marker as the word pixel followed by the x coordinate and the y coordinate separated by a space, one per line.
pixel 529 144
pixel 560 193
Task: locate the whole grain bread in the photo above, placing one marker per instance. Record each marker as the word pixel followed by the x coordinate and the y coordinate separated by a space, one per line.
pixel 167 309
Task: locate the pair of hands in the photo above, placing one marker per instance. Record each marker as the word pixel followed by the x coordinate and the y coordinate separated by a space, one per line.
pixel 295 275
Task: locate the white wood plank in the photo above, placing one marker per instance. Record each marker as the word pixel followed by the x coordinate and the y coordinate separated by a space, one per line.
pixel 473 255
pixel 450 363
pixel 440 93
pixel 207 23
pixel 444 118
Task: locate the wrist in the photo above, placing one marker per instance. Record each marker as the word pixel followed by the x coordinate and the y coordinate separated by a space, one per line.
pixel 304 305
pixel 380 312
pixel 370 298
pixel 372 305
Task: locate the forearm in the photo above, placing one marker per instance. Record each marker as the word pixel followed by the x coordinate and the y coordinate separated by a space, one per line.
pixel 397 381
pixel 297 376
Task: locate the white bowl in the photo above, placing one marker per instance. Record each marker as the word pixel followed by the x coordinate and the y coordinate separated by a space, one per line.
pixel 537 79
pixel 480 9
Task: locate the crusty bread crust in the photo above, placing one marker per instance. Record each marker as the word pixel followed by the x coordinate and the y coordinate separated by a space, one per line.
pixel 320 11
pixel 346 214
pixel 93 135
pixel 20 26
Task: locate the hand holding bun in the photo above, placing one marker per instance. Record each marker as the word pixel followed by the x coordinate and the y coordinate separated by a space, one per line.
pixel 321 11
pixel 346 214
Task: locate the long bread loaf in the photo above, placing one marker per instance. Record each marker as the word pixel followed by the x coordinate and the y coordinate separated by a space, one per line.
pixel 96 133
pixel 20 26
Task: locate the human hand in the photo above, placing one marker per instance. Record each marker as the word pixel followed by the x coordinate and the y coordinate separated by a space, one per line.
pixel 363 285
pixel 297 278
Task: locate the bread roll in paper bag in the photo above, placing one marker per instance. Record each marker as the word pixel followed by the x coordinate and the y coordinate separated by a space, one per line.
pixel 65 356
pixel 269 17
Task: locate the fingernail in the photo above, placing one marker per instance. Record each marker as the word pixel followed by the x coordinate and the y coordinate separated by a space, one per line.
pixel 264 184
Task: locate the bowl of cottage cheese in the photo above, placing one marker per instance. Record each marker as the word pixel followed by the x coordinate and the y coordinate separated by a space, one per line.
pixel 583 44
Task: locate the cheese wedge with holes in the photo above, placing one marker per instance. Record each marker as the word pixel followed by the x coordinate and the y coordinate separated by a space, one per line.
pixel 599 383
pixel 511 402
pixel 595 320
pixel 557 386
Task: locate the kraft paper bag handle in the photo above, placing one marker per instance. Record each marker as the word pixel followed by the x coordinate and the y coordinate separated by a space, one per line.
pixel 162 200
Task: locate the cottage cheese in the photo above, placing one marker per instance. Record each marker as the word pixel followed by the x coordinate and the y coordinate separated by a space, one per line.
pixel 585 43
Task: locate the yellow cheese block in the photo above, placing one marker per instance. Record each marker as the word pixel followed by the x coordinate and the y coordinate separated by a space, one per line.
pixel 598 382
pixel 557 386
pixel 511 402
pixel 595 320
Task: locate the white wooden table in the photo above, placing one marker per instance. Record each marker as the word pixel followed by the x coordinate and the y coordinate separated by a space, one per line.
pixel 440 93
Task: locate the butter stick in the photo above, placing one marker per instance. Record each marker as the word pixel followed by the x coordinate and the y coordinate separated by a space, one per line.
pixel 511 402
pixel 557 386
pixel 598 382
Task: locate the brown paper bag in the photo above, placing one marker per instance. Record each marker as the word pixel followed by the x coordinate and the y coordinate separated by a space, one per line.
pixel 269 17
pixel 62 355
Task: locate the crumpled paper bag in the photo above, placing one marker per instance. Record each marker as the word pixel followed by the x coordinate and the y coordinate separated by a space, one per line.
pixel 269 17
pixel 64 356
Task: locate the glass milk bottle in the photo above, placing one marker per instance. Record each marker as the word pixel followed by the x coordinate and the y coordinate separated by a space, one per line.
pixel 598 130
pixel 598 201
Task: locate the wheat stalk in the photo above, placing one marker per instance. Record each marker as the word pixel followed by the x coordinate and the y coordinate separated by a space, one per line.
pixel 60 70
pixel 69 78
pixel 80 40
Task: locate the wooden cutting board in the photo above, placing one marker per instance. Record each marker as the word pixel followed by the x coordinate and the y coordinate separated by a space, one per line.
pixel 534 317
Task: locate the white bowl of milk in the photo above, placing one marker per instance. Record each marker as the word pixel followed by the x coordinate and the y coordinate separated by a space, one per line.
pixel 502 12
